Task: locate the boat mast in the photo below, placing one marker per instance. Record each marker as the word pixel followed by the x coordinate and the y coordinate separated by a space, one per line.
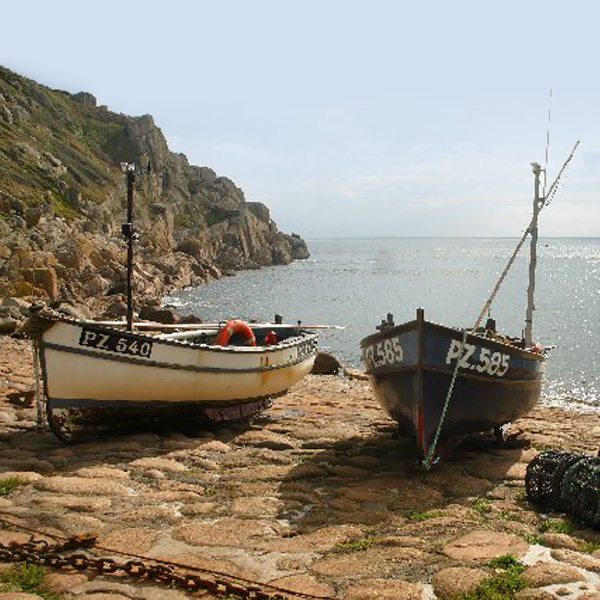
pixel 129 233
pixel 533 229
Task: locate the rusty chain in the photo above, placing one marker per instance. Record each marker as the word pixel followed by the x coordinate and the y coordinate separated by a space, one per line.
pixel 43 553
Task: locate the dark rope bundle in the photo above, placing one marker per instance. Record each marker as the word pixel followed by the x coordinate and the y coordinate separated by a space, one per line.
pixel 544 476
pixel 582 488
pixel 566 482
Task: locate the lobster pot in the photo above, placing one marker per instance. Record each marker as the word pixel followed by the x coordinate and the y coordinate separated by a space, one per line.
pixel 581 491
pixel 544 478
pixel 566 482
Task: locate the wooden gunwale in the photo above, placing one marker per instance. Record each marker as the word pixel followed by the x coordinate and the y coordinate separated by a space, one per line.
pixel 162 365
pixel 289 342
pixel 455 334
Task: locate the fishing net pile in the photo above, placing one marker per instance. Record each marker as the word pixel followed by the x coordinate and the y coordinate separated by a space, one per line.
pixel 566 482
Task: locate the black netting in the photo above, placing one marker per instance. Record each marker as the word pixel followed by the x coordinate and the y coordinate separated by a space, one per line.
pixel 566 482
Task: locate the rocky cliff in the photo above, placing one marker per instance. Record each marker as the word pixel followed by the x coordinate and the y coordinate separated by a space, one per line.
pixel 63 197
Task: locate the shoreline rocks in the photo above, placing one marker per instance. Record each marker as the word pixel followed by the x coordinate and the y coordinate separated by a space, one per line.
pixel 63 197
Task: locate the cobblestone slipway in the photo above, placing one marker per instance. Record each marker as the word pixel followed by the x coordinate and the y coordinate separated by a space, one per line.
pixel 315 496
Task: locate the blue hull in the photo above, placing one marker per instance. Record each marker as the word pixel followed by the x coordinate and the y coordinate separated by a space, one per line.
pixel 411 368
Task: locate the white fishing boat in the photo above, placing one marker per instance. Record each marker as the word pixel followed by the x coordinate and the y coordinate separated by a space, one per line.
pixel 107 375
pixel 110 376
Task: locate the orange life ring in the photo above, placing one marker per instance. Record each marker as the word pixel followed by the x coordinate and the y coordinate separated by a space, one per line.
pixel 236 326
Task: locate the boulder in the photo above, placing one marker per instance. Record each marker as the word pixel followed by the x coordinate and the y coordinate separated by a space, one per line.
pixel 191 247
pixel 384 589
pixel 544 574
pixel 8 325
pixel 281 255
pixel 24 289
pixel 454 582
pixel 326 364
pixel 115 310
pixel 190 319
pixel 94 285
pixel 33 216
pixel 355 374
pixel 75 312
pixel 158 315
pixel 559 540
pixel 44 279
pixel 485 545
pixel 22 306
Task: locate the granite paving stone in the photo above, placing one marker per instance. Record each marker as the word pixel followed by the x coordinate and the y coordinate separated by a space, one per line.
pixel 316 495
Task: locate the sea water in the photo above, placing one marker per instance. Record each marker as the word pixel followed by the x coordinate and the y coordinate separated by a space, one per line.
pixel 357 282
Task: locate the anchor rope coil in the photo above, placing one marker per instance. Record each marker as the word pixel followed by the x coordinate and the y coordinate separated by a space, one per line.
pixel 566 482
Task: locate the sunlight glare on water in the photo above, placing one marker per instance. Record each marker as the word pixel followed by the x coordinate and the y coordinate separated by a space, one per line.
pixel 356 282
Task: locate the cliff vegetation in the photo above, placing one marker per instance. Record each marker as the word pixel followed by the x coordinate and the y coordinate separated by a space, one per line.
pixel 63 198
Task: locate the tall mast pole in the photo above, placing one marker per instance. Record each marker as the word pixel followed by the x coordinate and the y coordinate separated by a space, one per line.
pixel 129 234
pixel 533 228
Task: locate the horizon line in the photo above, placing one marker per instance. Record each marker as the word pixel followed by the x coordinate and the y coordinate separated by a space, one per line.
pixel 451 237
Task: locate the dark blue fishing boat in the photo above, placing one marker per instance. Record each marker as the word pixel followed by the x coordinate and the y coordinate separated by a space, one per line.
pixel 441 383
pixel 413 366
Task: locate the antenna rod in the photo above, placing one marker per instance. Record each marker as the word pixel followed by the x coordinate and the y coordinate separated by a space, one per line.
pixel 542 202
pixel 533 228
pixel 128 232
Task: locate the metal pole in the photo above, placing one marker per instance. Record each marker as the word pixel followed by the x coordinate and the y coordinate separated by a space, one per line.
pixel 38 396
pixel 128 232
pixel 537 204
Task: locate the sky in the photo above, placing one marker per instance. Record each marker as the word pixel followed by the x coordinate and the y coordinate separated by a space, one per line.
pixel 348 118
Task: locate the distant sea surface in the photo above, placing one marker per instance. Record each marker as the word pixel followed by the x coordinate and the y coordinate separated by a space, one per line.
pixel 356 282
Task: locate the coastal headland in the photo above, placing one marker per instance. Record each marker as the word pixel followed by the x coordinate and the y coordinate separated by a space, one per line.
pixel 316 496
pixel 63 202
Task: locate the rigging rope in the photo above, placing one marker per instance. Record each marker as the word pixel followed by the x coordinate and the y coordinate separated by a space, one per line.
pixel 429 458
pixel 547 144
pixel 554 186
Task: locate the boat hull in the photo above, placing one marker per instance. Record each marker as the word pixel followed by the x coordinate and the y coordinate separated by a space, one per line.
pixel 411 368
pixel 92 367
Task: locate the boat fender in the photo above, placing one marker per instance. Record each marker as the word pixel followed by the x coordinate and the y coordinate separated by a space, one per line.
pixel 271 338
pixel 236 326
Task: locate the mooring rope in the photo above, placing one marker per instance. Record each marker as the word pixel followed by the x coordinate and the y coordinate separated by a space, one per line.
pixel 545 200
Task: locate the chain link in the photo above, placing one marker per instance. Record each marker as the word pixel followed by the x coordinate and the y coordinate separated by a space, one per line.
pixel 41 552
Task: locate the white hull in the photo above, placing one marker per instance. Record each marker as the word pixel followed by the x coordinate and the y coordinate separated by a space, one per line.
pixel 85 365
